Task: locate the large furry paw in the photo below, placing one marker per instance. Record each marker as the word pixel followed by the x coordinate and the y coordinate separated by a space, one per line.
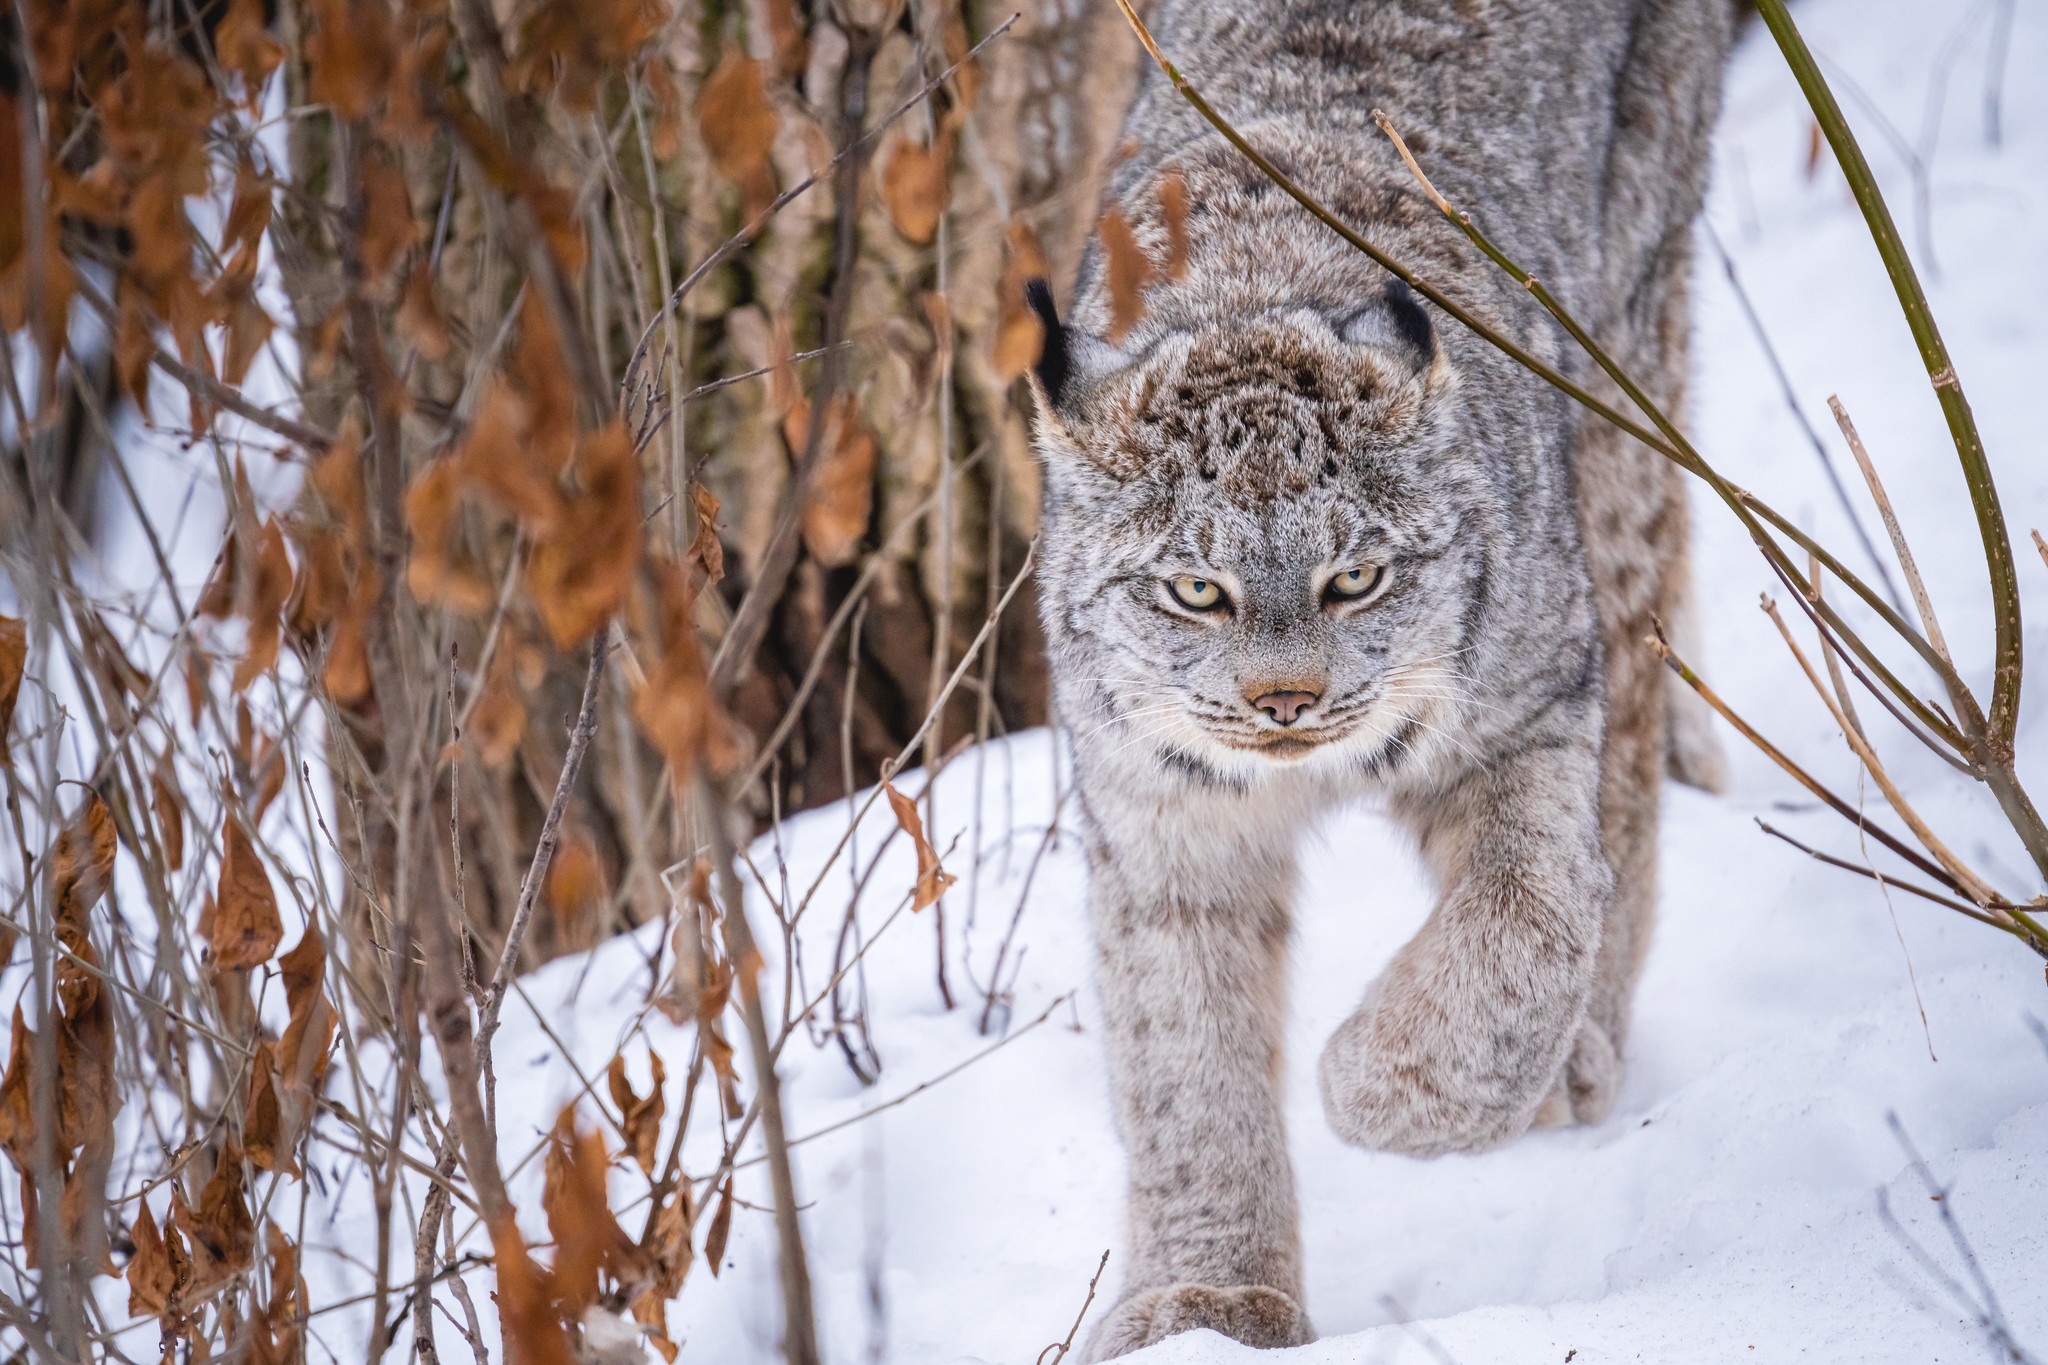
pixel 1587 1087
pixel 1392 1083
pixel 1251 1313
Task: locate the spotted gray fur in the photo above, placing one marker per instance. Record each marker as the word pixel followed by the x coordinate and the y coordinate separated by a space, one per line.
pixel 1283 412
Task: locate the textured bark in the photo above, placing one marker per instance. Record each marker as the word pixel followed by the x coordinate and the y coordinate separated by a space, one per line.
pixel 947 422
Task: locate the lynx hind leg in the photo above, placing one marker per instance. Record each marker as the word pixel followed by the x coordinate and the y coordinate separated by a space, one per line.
pixel 1463 1036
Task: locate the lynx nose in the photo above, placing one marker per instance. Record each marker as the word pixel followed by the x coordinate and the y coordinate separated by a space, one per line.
pixel 1285 707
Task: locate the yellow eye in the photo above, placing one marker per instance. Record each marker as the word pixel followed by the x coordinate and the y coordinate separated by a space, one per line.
pixel 1355 583
pixel 1196 594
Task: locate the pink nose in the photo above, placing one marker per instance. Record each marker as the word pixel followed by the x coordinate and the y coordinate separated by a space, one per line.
pixel 1285 707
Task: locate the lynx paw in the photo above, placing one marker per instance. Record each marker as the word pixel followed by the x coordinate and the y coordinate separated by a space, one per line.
pixel 1397 1088
pixel 1250 1313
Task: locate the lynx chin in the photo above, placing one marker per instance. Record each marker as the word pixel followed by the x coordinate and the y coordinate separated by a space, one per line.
pixel 1308 542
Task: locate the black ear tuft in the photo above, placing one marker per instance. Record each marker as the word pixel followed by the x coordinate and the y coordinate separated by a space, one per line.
pixel 1053 358
pixel 1404 310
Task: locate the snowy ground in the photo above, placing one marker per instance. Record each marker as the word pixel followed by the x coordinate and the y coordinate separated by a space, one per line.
pixel 1728 1209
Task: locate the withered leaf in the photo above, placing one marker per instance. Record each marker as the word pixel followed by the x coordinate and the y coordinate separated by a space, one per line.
pixel 388 228
pixel 270 589
pixel 721 1228
pixel 82 865
pixel 13 662
pixel 169 809
pixel 674 706
pixel 640 1117
pixel 531 1329
pixel 17 1111
pixel 842 493
pixel 1129 270
pixel 420 320
pixel 738 125
pixel 433 507
pixel 242 44
pixel 262 1123
pixel 917 185
pixel 221 1232
pixel 159 1267
pixel 707 552
pixel 587 1236
pixel 309 1032
pixel 351 54
pixel 498 720
pixel 576 890
pixel 1019 333
pixel 932 879
pixel 580 570
pixel 245 929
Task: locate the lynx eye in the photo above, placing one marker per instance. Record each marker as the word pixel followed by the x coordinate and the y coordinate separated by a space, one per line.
pixel 1196 594
pixel 1353 584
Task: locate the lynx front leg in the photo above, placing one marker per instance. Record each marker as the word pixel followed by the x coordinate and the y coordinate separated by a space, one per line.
pixel 1192 978
pixel 1464 1034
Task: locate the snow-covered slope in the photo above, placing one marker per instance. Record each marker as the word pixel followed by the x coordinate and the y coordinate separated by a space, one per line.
pixel 1728 1209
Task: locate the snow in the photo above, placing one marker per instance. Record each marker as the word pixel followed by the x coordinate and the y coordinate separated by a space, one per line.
pixel 1728 1210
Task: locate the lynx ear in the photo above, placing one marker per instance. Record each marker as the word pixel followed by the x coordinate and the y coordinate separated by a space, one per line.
pixel 1053 356
pixel 1394 321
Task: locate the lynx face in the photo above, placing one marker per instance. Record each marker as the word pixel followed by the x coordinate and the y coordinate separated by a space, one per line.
pixel 1254 533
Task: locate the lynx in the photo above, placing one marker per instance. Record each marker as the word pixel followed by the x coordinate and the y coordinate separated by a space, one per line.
pixel 1308 541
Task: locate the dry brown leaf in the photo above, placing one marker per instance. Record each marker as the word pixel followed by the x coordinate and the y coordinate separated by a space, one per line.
pixel 269 589
pixel 674 705
pixel 650 1310
pixel 842 494
pixel 248 212
pixel 433 509
pixel 738 125
pixel 351 53
pixel 82 864
pixel 287 1073
pixel 932 879
pixel 1173 207
pixel 420 320
pixel 1019 333
pixel 221 1232
pixel 588 1237
pixel 576 891
pixel 580 570
pixel 1129 270
pixel 707 552
pixel 498 721
pixel 786 32
pixel 388 227
pixel 262 1121
pixel 159 1267
pixel 640 1118
pixel 691 971
pixel 169 809
pixel 917 184
pixel 245 929
pixel 242 44
pixel 721 1228
pixel 17 1090
pixel 13 662
pixel 277 1329
pixel 528 1324
pixel 198 670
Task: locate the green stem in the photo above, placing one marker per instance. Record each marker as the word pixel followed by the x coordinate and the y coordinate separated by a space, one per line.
pixel 2005 597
